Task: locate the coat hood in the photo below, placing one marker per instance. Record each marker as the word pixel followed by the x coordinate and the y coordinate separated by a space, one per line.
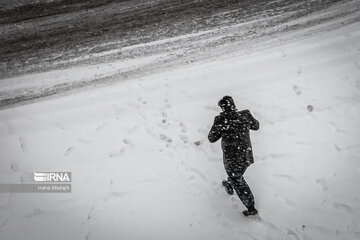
pixel 227 103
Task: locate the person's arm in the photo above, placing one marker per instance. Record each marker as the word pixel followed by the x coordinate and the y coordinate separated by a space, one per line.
pixel 254 124
pixel 215 131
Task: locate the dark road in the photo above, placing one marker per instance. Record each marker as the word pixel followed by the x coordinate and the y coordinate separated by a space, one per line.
pixel 35 36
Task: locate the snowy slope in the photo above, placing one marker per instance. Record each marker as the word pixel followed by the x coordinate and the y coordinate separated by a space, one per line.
pixel 143 168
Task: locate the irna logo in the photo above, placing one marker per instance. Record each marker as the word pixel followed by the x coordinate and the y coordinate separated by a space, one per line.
pixel 52 176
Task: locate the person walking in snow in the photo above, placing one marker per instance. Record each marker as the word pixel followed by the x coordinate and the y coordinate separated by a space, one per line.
pixel 233 127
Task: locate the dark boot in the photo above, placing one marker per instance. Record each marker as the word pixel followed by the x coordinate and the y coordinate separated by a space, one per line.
pixel 250 212
pixel 229 189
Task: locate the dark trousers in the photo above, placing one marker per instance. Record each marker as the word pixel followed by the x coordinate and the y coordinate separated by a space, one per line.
pixel 237 181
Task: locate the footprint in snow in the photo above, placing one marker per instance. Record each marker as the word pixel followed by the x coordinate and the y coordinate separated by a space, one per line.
pixel 141 100
pixel 14 166
pixel 22 143
pixel 165 138
pixel 299 69
pixel 167 103
pixel 87 235
pixel 101 126
pixel 90 212
pixel 184 138
pixel 68 151
pixel 342 206
pixel 292 235
pixel 183 128
pixel 128 142
pixel 284 176
pixel 4 222
pixel 115 154
pixel 164 114
pixel 339 149
pixel 310 108
pixel 296 90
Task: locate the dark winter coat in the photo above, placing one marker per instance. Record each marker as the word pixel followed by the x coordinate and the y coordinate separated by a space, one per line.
pixel 233 127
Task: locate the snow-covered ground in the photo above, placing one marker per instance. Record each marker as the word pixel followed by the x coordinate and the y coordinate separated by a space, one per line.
pixel 142 167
